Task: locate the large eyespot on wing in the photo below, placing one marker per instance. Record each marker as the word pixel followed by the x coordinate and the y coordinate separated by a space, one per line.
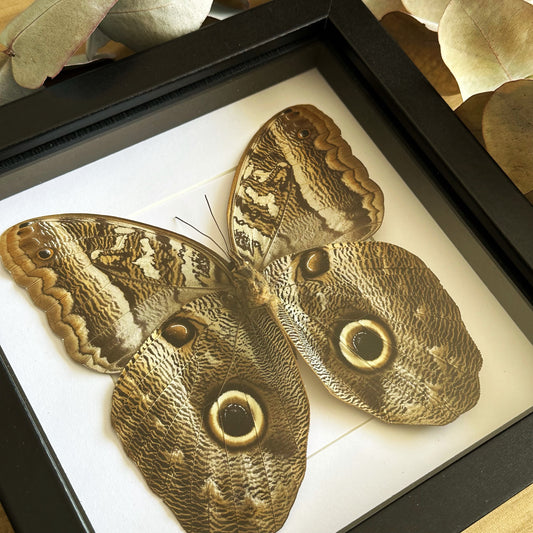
pixel 298 186
pixel 213 411
pixel 379 330
pixel 106 283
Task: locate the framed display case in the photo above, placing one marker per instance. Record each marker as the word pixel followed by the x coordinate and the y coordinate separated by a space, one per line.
pixel 145 138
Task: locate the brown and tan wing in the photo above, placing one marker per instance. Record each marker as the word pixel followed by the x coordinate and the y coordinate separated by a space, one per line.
pixel 213 411
pixel 379 330
pixel 299 186
pixel 106 283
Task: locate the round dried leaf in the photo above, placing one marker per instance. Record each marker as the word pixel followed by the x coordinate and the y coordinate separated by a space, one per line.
pixel 96 40
pixel 508 131
pixel 380 8
pixel 141 24
pixel 486 44
pixel 471 113
pixel 44 36
pixel 422 47
pixel 9 89
pixel 241 4
pixel 428 11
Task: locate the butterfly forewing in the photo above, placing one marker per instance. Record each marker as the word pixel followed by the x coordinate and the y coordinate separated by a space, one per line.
pixel 106 283
pixel 217 419
pixel 298 186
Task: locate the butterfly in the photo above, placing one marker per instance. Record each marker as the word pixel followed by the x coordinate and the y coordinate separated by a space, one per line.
pixel 209 402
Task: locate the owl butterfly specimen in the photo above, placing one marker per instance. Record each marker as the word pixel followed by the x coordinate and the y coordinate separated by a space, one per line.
pixel 209 402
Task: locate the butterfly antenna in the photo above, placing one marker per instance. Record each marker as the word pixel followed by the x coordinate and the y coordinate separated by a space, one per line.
pixel 218 227
pixel 202 233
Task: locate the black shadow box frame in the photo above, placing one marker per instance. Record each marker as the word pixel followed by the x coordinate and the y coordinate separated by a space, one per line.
pixel 91 115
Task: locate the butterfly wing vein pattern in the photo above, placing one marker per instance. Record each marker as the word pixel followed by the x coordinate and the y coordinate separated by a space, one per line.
pixel 430 373
pixel 161 410
pixel 106 283
pixel 298 186
pixel 209 402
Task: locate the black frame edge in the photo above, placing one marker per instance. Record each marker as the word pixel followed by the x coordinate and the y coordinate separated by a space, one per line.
pixel 82 101
pixel 463 492
pixel 35 471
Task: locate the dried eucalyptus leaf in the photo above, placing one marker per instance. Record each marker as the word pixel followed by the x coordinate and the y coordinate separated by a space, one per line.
pixel 96 40
pixel 81 59
pixel 422 47
pixel 508 131
pixel 47 34
pixel 9 89
pixel 486 44
pixel 428 11
pixel 141 24
pixel 209 20
pixel 23 19
pixel 89 53
pixel 241 4
pixel 380 8
pixel 471 113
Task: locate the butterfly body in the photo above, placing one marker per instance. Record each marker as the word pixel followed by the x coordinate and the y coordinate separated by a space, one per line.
pixel 252 288
pixel 209 401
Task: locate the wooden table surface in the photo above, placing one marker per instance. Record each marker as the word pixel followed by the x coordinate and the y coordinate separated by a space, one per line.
pixel 9 9
pixel 514 516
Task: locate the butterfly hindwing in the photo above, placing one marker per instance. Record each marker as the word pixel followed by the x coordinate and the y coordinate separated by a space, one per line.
pixel 106 283
pixel 213 411
pixel 379 330
pixel 298 186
